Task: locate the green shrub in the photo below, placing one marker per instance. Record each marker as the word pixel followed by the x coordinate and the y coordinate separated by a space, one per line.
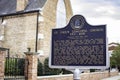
pixel 40 68
pixel 50 71
pixel 92 70
pixel 64 71
pixel 21 66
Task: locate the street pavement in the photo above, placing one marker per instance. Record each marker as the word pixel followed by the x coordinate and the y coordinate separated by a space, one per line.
pixel 113 78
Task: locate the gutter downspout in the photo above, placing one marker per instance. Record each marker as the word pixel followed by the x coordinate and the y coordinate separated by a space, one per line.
pixel 36 46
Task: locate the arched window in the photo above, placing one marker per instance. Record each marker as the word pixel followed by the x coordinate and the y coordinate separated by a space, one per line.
pixel 61 14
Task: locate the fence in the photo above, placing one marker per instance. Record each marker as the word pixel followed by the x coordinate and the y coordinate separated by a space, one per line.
pixel 31 69
pixel 11 68
pixel 14 68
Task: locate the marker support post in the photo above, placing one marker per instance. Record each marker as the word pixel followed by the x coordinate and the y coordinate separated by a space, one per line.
pixel 76 74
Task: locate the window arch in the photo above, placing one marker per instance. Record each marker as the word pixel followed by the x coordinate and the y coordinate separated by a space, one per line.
pixel 61 14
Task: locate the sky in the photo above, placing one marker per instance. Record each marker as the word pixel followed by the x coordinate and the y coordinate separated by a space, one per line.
pixel 101 12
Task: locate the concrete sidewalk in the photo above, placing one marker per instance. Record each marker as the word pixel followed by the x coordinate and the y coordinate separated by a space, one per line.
pixel 113 78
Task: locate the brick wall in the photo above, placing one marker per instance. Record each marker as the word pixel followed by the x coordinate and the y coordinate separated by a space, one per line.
pixel 2 62
pixel 31 65
pixel 84 76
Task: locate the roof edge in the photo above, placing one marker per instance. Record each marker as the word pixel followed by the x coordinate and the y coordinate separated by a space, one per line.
pixel 19 12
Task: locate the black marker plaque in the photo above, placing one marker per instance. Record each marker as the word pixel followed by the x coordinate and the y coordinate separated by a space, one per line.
pixel 79 44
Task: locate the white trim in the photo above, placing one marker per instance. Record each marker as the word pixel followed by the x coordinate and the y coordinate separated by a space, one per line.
pixel 40 36
pixel 4 23
pixel 57 76
pixel 1 38
pixel 41 52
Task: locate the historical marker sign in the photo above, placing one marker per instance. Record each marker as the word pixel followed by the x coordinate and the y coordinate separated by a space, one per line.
pixel 79 45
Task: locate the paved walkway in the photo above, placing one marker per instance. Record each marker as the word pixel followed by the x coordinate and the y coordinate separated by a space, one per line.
pixel 113 78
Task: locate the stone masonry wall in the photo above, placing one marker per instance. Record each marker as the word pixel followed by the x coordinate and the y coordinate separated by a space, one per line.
pixel 84 76
pixel 45 27
pixel 20 32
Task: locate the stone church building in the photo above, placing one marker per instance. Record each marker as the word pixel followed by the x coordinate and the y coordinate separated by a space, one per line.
pixel 27 24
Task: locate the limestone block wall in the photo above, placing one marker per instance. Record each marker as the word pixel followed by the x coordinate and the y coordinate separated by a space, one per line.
pixel 20 32
pixel 69 11
pixel 49 15
pixel 84 76
pixel 45 27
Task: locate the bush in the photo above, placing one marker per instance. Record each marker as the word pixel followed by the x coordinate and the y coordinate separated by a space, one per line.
pixel 21 66
pixel 40 68
pixel 92 70
pixel 50 71
pixel 64 71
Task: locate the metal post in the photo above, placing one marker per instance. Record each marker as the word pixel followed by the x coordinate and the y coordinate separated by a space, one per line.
pixel 76 75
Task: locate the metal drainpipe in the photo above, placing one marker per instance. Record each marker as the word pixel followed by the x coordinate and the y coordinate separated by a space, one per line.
pixel 37 32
